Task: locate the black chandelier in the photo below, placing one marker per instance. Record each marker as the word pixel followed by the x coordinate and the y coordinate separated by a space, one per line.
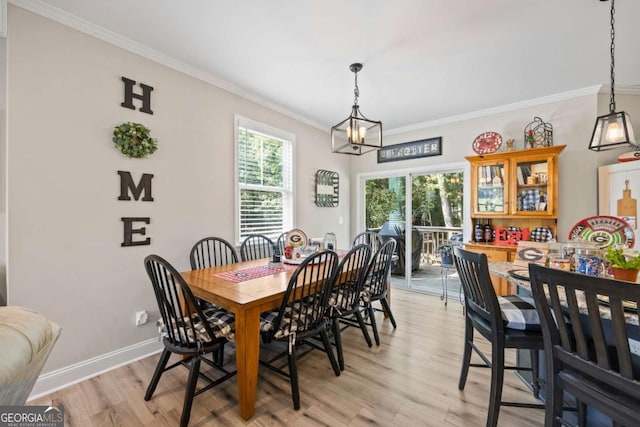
pixel 612 130
pixel 356 134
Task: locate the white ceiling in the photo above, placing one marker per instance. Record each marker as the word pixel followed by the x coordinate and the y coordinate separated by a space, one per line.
pixel 423 59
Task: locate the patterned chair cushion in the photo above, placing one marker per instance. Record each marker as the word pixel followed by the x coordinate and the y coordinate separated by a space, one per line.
pixel 519 313
pixel 292 321
pixel 221 322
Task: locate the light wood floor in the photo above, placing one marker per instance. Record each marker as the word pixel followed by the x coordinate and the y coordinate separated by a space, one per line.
pixel 410 380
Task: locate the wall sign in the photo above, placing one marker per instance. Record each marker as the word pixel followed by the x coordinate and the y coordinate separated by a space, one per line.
pixel 411 150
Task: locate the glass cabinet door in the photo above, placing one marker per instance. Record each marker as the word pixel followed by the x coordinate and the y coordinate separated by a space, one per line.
pixel 532 195
pixel 490 188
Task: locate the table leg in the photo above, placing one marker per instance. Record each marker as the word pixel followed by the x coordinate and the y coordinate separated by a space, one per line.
pixel 247 356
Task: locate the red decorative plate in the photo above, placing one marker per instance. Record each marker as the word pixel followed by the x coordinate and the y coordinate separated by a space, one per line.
pixel 604 231
pixel 487 142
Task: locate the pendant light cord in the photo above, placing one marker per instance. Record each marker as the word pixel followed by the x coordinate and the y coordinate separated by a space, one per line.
pixel 612 96
pixel 356 91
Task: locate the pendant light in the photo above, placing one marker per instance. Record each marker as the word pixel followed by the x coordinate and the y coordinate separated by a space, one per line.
pixel 612 130
pixel 356 134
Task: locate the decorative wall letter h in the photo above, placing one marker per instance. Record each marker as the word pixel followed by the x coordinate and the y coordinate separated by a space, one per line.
pixel 129 95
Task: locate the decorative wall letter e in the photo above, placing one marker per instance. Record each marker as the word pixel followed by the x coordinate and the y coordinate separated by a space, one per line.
pixel 129 231
pixel 129 95
pixel 127 184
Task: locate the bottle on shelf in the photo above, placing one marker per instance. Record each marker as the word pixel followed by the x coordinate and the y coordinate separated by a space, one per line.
pixel 488 232
pixel 478 232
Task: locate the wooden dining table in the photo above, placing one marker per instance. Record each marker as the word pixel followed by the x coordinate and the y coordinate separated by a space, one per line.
pixel 246 300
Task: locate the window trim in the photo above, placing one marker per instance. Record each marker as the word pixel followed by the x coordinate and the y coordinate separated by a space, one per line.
pixel 266 129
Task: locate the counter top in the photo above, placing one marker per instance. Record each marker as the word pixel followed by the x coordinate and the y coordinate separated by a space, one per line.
pixel 502 269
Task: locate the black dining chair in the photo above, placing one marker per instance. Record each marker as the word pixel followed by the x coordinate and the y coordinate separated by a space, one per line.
pixel 587 346
pixel 368 238
pixel 187 330
pixel 302 316
pixel 281 242
pixel 212 252
pixel 256 246
pixel 375 288
pixel 506 322
pixel 344 301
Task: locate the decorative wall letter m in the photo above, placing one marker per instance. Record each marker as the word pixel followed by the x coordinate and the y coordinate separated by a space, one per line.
pixel 127 184
pixel 129 95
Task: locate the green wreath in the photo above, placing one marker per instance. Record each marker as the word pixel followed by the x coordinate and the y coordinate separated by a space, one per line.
pixel 134 140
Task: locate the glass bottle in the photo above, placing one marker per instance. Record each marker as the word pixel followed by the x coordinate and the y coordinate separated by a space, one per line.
pixel 488 232
pixel 478 232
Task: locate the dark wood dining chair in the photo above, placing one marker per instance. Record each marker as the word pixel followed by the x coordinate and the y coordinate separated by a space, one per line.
pixel 212 252
pixel 302 316
pixel 281 242
pixel 187 330
pixel 506 322
pixel 344 301
pixel 368 238
pixel 587 347
pixel 375 288
pixel 256 246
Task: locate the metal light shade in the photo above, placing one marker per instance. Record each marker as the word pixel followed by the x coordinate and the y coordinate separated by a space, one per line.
pixel 612 130
pixel 356 134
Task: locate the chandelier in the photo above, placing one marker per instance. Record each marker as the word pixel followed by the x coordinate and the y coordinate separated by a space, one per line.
pixel 614 129
pixel 356 134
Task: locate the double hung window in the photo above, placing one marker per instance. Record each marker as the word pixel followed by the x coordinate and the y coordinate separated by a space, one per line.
pixel 264 179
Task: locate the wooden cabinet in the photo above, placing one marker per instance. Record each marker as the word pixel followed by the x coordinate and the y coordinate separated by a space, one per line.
pixel 514 189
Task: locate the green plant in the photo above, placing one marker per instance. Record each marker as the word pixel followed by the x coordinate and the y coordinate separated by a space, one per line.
pixel 445 249
pixel 618 259
pixel 134 140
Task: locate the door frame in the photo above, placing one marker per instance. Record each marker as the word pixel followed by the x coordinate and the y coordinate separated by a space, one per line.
pixel 408 174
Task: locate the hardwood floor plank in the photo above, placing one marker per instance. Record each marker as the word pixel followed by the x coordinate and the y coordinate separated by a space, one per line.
pixel 411 379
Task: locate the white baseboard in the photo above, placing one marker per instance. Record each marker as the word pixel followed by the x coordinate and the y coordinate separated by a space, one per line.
pixel 72 374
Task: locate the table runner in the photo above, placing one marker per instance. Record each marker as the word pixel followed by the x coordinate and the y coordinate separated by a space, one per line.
pixel 251 273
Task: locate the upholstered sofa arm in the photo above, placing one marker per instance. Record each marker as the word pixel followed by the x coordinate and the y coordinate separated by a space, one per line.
pixel 26 339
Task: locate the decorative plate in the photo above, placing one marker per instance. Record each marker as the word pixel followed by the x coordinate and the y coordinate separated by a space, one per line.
pixel 604 231
pixel 519 274
pixel 541 234
pixel 487 142
pixel 296 237
pixel 532 199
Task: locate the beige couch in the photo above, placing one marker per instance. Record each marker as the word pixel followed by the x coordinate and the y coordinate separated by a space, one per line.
pixel 26 339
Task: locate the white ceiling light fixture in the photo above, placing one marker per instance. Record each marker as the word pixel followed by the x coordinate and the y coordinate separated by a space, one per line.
pixel 612 130
pixel 356 134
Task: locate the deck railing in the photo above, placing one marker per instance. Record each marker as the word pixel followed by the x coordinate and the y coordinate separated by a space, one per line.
pixel 432 239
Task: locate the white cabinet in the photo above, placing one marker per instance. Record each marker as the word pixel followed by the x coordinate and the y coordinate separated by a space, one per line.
pixel 611 183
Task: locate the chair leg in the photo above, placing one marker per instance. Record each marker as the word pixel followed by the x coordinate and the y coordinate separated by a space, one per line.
pixel 582 414
pixel 535 374
pixel 337 336
pixel 466 354
pixel 497 378
pixel 219 355
pixel 554 399
pixel 162 363
pixel 363 327
pixel 194 372
pixel 374 327
pixel 387 309
pixel 327 348
pixel 293 377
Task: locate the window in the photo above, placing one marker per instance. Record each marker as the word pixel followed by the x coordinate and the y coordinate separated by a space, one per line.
pixel 264 176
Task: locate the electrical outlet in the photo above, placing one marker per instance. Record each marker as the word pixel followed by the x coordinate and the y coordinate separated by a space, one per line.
pixel 141 318
pixel 634 347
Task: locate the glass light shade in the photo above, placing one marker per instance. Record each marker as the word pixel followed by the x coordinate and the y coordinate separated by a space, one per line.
pixel 612 131
pixel 356 134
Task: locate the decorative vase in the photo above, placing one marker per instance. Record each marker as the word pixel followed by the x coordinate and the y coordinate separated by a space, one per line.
pixel 626 274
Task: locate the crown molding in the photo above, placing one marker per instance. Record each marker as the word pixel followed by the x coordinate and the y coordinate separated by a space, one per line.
pixel 622 90
pixel 46 10
pixel 591 90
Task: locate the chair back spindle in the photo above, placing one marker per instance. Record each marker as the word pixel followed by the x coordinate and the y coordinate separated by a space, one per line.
pixel 256 246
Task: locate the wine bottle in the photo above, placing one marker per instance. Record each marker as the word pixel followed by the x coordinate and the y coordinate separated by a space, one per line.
pixel 488 232
pixel 478 232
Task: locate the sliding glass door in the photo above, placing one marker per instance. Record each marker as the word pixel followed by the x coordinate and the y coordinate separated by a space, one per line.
pixel 433 203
